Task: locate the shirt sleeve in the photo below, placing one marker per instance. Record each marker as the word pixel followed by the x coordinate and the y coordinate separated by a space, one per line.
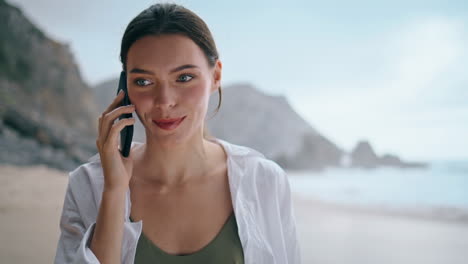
pixel 288 219
pixel 75 238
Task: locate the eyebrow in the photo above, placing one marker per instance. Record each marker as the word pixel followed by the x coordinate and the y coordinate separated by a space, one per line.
pixel 186 66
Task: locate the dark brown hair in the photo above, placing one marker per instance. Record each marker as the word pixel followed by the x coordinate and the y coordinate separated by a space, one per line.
pixel 170 18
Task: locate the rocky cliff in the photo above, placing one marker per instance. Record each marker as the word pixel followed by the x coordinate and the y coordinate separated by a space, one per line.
pixel 43 99
pixel 269 124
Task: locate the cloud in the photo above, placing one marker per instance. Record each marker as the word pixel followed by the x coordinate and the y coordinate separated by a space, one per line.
pixel 423 57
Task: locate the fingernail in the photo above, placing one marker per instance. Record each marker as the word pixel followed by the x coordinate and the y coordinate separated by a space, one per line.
pixel 121 91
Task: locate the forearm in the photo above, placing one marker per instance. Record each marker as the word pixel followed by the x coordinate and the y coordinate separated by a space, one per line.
pixel 107 238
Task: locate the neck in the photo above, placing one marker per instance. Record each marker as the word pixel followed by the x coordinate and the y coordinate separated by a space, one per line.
pixel 172 164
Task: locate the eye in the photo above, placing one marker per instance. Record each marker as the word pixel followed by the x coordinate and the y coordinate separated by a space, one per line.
pixel 141 82
pixel 191 77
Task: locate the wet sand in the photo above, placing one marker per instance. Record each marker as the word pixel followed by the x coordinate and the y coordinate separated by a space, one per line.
pixel 31 200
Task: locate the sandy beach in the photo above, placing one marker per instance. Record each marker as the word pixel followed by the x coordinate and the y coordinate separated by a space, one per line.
pixel 332 234
pixel 31 202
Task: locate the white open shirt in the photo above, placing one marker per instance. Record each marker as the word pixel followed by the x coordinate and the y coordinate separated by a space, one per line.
pixel 261 198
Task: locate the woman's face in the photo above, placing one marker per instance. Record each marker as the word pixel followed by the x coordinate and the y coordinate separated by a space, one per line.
pixel 161 87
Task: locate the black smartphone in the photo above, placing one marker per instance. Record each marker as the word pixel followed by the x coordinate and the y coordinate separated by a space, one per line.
pixel 126 134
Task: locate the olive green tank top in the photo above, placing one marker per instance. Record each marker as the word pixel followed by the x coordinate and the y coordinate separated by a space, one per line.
pixel 224 248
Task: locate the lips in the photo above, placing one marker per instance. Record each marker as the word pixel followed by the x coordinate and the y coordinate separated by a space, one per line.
pixel 169 124
pixel 168 120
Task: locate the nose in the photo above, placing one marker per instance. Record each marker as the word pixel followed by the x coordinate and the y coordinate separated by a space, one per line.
pixel 164 96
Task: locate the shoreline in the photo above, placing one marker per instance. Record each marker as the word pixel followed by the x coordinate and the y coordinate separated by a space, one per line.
pixel 438 214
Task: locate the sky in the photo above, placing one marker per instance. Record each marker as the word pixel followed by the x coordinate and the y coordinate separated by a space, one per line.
pixel 390 72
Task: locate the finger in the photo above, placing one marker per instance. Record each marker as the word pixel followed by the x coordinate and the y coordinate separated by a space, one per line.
pixel 115 130
pixel 110 118
pixel 99 124
pixel 99 132
pixel 115 103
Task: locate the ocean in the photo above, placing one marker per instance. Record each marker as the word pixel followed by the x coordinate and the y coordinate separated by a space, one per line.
pixel 444 184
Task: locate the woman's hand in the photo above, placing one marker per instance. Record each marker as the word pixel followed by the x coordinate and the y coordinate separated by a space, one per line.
pixel 116 168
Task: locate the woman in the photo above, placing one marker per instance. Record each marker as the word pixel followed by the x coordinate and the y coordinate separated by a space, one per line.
pixel 181 197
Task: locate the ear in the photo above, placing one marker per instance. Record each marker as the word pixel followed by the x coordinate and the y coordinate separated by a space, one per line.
pixel 216 76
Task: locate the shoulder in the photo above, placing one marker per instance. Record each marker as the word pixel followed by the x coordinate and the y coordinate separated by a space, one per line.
pixel 86 173
pixel 268 175
pixel 254 165
pixel 85 182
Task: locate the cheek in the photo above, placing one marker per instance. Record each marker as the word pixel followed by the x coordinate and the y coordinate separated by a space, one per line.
pixel 196 95
pixel 141 100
